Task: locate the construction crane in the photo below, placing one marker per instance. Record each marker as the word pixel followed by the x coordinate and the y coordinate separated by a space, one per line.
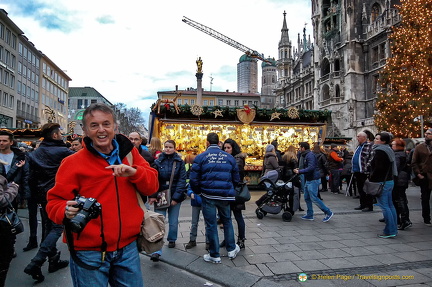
pixel 215 34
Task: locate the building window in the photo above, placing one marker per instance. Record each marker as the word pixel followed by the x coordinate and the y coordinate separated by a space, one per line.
pixel 375 11
pixel 220 102
pixel 205 103
pixel 236 103
pixel 11 102
pixel 211 103
pixel 228 102
pixel 186 101
pixel 5 99
pixel 80 104
pixel 93 101
pixel 179 101
pixel 244 102
pixel 192 102
pixel 256 103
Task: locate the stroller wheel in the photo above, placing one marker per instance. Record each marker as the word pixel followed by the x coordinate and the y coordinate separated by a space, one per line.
pixel 264 212
pixel 259 214
pixel 286 216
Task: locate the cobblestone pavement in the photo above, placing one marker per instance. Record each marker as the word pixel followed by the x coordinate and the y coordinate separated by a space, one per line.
pixel 344 250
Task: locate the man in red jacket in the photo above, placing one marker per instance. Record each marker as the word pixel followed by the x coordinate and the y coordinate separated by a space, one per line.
pixel 101 171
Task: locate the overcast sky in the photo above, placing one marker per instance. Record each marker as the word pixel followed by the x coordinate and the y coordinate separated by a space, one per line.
pixel 129 50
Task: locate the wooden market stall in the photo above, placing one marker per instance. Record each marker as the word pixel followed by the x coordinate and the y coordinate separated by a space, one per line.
pixel 251 128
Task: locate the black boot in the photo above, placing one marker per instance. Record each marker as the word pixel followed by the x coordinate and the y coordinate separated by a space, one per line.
pixel 55 263
pixel 32 244
pixel 240 243
pixel 35 271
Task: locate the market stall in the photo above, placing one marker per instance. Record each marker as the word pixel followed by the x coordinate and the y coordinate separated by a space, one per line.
pixel 252 132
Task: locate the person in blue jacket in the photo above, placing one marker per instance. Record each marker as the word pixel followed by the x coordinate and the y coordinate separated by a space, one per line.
pixel 308 167
pixel 214 175
pixel 164 166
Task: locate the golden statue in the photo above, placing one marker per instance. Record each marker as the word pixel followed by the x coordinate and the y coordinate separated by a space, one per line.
pixel 199 63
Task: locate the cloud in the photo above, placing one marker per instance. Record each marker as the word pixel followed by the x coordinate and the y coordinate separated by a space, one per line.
pixel 106 19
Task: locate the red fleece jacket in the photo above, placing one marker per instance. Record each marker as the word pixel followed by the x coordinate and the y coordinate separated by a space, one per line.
pixel 84 173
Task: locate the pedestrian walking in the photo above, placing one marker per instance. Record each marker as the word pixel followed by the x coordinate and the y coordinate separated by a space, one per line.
pixel 308 167
pixel 214 175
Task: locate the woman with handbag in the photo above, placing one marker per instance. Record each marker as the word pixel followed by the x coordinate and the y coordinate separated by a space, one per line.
pixel 172 178
pixel 7 238
pixel 382 168
pixel 230 146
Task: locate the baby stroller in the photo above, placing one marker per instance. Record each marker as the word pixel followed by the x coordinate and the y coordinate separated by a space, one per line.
pixel 279 196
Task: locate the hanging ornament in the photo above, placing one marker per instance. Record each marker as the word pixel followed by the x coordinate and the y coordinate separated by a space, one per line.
pixel 275 115
pixel 246 115
pixel 217 113
pixel 293 113
pixel 196 110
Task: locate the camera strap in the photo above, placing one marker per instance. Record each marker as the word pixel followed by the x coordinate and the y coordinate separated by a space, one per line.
pixel 76 259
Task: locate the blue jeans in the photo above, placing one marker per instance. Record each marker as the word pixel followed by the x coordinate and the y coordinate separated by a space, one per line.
pixel 173 216
pixel 120 268
pixel 209 209
pixel 386 203
pixel 311 195
pixel 196 210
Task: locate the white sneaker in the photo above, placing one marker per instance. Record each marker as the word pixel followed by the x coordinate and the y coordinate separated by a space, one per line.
pixel 233 254
pixel 208 258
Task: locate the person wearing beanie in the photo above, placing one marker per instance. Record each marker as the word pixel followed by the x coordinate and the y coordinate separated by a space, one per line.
pixel 270 160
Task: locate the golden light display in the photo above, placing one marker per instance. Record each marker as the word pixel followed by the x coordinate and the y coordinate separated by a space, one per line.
pixel 406 80
pixel 251 138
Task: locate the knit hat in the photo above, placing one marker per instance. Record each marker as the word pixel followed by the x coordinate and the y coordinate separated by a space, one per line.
pixel 270 148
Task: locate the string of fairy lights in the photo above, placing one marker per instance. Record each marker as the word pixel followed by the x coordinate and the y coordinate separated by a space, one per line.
pixel 406 79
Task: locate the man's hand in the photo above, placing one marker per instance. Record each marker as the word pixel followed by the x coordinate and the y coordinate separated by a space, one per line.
pixel 296 170
pixel 420 176
pixel 70 210
pixel 122 170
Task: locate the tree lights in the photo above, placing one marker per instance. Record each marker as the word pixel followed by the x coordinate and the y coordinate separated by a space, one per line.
pixel 406 79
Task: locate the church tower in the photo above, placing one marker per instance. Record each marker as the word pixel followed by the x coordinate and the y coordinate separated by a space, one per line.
pixel 284 62
pixel 268 83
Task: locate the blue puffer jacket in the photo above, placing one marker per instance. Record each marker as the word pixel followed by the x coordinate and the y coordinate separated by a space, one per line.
pixel 310 169
pixel 164 166
pixel 214 174
pixel 196 201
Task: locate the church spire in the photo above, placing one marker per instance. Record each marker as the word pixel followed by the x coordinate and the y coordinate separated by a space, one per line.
pixel 284 41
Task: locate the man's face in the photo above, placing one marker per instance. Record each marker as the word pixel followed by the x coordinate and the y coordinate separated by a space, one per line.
pixel 361 138
pixel 5 143
pixel 135 139
pixel 428 135
pixel 100 129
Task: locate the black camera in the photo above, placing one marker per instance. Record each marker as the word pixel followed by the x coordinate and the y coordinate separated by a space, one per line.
pixel 89 209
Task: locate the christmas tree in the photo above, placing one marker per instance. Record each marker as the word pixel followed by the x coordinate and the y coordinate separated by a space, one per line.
pixel 406 79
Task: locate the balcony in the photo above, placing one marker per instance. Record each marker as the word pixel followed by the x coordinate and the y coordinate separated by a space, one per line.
pixel 390 18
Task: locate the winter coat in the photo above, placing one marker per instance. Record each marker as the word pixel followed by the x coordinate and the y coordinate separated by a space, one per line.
pixel 309 168
pixel 332 163
pixel 270 162
pixel 196 201
pixel 321 163
pixel 404 172
pixel 164 165
pixel 215 174
pixel 347 166
pixel 422 162
pixel 19 175
pixel 241 162
pixel 85 173
pixel 7 192
pixel 43 164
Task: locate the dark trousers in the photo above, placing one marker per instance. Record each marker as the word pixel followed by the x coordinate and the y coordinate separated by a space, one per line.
pixel 366 201
pixel 400 203
pixel 425 200
pixel 324 182
pixel 335 180
pixel 33 206
pixel 48 247
pixel 7 242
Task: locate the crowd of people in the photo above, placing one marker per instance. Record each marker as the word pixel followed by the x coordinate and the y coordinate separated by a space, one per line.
pixel 46 179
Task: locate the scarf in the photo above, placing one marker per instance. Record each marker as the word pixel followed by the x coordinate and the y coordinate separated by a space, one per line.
pixel 390 153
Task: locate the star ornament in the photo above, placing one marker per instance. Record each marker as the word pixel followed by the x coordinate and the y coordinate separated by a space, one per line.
pixel 275 115
pixel 217 113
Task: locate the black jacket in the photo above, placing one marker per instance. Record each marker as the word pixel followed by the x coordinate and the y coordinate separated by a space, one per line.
pixel 19 175
pixel 43 165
